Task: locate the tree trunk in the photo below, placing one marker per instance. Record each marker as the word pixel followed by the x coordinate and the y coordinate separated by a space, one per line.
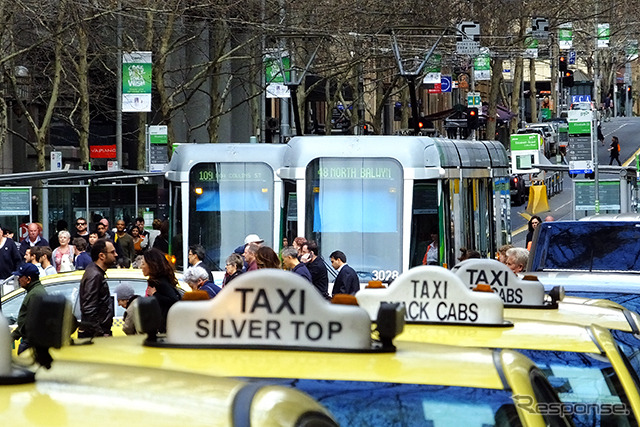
pixel 533 99
pixel 496 77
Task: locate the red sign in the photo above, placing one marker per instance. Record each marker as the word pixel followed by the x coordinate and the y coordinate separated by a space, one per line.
pixel 437 88
pixel 102 151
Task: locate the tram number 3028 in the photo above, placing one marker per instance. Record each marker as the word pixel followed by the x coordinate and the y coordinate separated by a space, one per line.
pixel 385 276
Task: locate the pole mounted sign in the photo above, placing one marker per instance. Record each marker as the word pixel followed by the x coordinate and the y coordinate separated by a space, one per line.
pixel 581 126
pixel 474 99
pixel 136 82
pixel 565 36
pixel 468 38
pixel 603 35
pixel 540 28
pixel 525 152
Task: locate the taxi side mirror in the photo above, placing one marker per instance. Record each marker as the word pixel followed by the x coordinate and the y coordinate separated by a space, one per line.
pixel 148 319
pixel 390 322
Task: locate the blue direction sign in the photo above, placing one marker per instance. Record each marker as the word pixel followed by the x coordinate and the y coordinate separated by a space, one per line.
pixel 572 57
pixel 445 83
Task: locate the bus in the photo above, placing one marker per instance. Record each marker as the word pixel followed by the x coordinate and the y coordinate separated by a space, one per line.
pixel 378 199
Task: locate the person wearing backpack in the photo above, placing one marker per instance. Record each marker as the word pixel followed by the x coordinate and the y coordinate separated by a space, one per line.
pixel 614 150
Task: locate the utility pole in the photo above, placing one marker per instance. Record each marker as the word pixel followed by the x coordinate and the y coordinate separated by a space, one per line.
pixel 594 121
pixel 119 89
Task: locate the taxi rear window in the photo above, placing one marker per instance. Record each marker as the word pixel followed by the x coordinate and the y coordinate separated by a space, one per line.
pixel 591 246
pixel 587 385
pixel 374 404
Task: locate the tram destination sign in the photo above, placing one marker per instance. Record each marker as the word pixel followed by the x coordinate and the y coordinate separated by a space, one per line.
pixel 15 201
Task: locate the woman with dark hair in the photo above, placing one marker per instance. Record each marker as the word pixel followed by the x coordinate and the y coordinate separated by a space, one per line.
pixel 162 281
pixel 267 258
pixel 534 222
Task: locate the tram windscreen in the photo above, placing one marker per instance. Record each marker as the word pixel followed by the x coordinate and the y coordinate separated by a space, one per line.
pixel 355 206
pixel 229 201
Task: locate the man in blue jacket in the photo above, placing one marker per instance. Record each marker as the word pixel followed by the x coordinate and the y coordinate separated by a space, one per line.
pixel 347 281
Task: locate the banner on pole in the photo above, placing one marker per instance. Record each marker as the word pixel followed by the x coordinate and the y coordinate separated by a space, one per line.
pixel 603 35
pixel 565 36
pixel 136 82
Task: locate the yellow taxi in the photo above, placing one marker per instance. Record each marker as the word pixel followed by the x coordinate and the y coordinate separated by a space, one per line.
pixel 271 326
pixel 68 284
pixel 107 395
pixel 594 379
pixel 524 298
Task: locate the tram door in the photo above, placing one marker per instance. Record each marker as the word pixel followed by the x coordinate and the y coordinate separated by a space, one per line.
pixel 478 209
pixel 424 219
pixel 289 226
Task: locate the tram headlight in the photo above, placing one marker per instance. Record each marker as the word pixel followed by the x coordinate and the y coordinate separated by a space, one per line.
pixel 198 191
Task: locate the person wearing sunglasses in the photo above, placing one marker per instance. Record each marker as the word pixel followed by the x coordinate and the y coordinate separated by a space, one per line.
pixel 82 229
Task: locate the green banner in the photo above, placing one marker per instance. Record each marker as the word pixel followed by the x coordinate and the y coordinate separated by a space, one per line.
pixel 136 81
pixel 434 65
pixel 580 128
pixel 603 35
pixel 565 36
pixel 273 73
pixel 526 141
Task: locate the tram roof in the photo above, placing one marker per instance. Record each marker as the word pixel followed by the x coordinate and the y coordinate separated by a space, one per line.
pixel 410 151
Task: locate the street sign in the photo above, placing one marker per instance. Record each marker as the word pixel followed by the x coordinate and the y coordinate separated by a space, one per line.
pixel 585 196
pixel 572 57
pixel 540 28
pixel 474 100
pixel 525 152
pixel 468 38
pixel 157 156
pixel 437 88
pixel 15 201
pixel 581 126
pixel 56 160
pixel 445 83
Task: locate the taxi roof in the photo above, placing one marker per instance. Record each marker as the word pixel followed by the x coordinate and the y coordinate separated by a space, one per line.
pixel 73 393
pixel 581 314
pixel 522 334
pixel 412 363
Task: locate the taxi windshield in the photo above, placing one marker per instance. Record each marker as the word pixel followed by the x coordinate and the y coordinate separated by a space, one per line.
pixel 374 404
pixel 587 385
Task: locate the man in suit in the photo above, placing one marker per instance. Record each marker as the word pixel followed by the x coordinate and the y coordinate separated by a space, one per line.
pixel 196 258
pixel 347 281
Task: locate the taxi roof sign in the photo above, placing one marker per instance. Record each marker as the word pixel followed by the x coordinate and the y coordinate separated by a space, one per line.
pixel 434 294
pixel 268 309
pixel 513 290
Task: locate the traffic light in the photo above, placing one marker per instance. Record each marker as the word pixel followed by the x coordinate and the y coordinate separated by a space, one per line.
pixel 567 78
pixel 472 118
pixel 562 64
pixel 365 129
pixel 422 123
